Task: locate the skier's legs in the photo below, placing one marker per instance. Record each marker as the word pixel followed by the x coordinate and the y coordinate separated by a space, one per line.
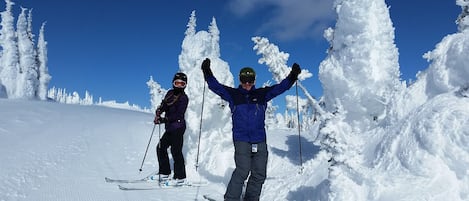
pixel 177 141
pixel 162 153
pixel 241 172
pixel 258 173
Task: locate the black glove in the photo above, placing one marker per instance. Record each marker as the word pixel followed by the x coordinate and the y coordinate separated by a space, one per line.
pixel 163 120
pixel 158 112
pixel 206 68
pixel 160 120
pixel 157 119
pixel 295 71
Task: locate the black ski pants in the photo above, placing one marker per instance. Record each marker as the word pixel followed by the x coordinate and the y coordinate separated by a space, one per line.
pixel 248 163
pixel 175 140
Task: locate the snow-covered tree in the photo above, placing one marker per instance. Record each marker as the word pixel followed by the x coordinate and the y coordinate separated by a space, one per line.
pixel 445 72
pixel 88 99
pixel 23 68
pixel 305 109
pixel 463 19
pixel 360 78
pixel 191 25
pixel 27 80
pixel 361 69
pixel 157 93
pixel 276 62
pixel 44 76
pixel 215 39
pixel 9 62
pixel 270 117
pixel 197 46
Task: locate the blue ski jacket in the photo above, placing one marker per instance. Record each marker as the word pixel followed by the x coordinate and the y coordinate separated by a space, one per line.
pixel 248 107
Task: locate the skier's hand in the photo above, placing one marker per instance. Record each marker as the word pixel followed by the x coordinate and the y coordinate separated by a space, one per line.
pixel 206 64
pixel 206 68
pixel 157 119
pixel 295 71
pixel 163 120
pixel 160 120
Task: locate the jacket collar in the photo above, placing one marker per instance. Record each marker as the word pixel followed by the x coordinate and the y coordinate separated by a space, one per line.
pixel 244 91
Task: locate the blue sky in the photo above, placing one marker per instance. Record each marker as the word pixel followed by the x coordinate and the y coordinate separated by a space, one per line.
pixel 110 48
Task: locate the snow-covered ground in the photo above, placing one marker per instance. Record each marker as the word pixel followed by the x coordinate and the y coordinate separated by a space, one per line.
pixel 51 151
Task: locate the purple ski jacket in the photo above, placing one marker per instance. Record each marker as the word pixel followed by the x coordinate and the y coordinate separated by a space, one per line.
pixel 174 106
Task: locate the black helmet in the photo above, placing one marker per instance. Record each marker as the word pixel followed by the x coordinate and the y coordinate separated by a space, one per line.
pixel 179 80
pixel 180 76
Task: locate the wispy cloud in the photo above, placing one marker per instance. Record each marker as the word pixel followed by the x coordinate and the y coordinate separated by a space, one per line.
pixel 288 19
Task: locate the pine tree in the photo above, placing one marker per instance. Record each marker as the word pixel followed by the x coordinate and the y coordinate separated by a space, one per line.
pixel 9 63
pixel 190 31
pixel 361 69
pixel 463 18
pixel 277 64
pixel 360 76
pixel 43 75
pixel 215 39
pixel 27 80
pixel 157 93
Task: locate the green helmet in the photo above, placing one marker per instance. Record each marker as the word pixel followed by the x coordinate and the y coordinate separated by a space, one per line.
pixel 247 72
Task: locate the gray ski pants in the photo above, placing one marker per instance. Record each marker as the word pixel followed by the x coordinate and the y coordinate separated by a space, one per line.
pixel 248 163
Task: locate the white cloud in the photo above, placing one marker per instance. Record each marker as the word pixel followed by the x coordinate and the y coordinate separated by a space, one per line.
pixel 288 19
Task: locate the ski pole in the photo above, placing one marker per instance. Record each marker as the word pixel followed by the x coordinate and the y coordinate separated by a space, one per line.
pixel 159 145
pixel 299 129
pixel 200 129
pixel 144 156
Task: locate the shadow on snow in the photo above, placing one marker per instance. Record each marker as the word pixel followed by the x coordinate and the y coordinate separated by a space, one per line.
pixel 320 192
pixel 308 149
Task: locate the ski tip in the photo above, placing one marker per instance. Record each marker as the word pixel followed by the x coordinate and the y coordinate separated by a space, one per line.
pixel 214 197
pixel 123 187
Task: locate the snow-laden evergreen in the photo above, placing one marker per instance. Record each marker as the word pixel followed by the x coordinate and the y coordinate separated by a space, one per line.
pixel 9 61
pixel 463 18
pixel 44 77
pixel 406 146
pixel 361 70
pixel 27 81
pixel 276 62
pixel 215 121
pixel 23 68
pixel 157 93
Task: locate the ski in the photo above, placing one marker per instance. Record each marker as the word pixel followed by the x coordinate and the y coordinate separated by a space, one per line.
pixel 109 180
pixel 155 185
pixel 215 197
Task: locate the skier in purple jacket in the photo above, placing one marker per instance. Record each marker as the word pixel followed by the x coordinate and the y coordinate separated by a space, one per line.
pixel 174 106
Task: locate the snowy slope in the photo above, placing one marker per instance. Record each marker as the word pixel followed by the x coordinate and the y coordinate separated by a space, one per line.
pixel 51 151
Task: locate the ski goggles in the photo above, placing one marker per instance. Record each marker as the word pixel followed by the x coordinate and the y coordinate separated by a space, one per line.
pixel 247 79
pixel 179 83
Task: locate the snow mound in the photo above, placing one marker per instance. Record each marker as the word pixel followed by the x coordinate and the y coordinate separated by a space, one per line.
pixel 427 153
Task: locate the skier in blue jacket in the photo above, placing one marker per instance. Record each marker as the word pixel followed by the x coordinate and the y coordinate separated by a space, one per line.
pixel 248 105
